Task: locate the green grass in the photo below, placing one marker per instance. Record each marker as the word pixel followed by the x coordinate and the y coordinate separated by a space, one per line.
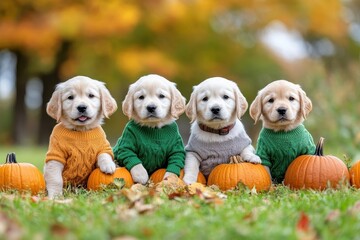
pixel 333 214
pixel 109 214
pixel 30 154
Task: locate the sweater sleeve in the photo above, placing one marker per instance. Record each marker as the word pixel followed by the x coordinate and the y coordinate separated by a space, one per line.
pixel 176 158
pixel 55 151
pixel 105 146
pixel 125 150
pixel 262 152
pixel 310 145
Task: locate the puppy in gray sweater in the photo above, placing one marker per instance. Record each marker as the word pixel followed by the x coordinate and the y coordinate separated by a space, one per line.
pixel 215 108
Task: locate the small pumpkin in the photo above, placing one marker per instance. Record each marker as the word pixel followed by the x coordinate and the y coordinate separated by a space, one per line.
pixel 97 179
pixel 316 171
pixel 227 176
pixel 355 175
pixel 158 176
pixel 20 176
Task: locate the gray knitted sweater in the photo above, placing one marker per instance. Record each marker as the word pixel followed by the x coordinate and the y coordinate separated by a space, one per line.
pixel 211 154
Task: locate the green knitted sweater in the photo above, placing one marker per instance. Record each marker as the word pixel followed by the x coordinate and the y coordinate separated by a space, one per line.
pixel 278 149
pixel 154 148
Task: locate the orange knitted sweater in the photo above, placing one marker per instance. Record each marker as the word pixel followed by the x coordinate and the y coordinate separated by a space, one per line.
pixel 78 152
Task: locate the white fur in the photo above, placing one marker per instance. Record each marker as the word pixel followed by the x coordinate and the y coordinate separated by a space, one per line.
pixel 152 91
pixel 70 96
pixel 225 95
pixel 281 94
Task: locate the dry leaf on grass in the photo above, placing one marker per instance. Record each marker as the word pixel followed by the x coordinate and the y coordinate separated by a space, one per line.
pixel 355 209
pixel 304 229
pixel 333 216
pixel 9 229
pixel 59 230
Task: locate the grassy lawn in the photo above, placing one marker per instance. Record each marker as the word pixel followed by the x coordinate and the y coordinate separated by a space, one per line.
pixel 30 154
pixel 158 213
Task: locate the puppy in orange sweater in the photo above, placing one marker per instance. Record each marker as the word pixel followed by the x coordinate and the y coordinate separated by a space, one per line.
pixel 78 143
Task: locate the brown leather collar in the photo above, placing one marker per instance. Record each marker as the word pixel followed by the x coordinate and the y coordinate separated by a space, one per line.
pixel 221 131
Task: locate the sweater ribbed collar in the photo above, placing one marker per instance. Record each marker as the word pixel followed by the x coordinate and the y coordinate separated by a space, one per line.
pixel 89 134
pixel 298 130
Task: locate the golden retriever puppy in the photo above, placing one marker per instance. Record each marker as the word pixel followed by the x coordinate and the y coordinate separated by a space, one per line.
pixel 282 106
pixel 78 143
pixel 151 139
pixel 215 108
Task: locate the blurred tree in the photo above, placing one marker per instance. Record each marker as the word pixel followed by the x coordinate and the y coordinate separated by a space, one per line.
pixel 117 41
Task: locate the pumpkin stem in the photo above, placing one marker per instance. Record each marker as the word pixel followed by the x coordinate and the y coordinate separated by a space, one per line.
pixel 233 160
pixel 319 147
pixel 11 158
pixel 236 159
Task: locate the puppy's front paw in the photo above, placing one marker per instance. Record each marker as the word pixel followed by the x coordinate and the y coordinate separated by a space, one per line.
pixel 139 174
pixel 169 174
pixel 107 167
pixel 106 164
pixel 252 158
pixel 189 178
pixel 52 194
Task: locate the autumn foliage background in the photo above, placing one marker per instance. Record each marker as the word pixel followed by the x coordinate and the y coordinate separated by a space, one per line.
pixel 44 42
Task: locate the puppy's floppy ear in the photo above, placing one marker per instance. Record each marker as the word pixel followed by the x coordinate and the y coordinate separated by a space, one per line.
pixel 256 107
pixel 305 103
pixel 240 103
pixel 54 106
pixel 177 102
pixel 108 103
pixel 127 104
pixel 191 109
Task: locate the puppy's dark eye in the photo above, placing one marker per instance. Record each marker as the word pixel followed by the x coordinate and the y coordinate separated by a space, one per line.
pixel 205 99
pixel 291 99
pixel 71 97
pixel 91 95
pixel 271 100
pixel 142 97
pixel 225 97
pixel 161 96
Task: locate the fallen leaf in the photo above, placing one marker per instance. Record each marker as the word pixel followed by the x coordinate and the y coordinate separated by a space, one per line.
pixel 355 209
pixel 304 223
pixel 59 230
pixel 304 229
pixel 333 215
pixel 194 187
pixel 9 229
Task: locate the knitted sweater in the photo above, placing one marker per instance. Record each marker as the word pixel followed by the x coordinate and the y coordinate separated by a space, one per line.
pixel 211 154
pixel 78 152
pixel 154 148
pixel 278 149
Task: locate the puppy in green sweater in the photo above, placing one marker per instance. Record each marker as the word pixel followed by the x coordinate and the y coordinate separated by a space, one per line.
pixel 151 139
pixel 282 106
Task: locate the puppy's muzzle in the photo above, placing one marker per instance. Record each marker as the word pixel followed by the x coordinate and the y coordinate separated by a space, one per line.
pixel 215 110
pixel 281 111
pixel 151 108
pixel 81 108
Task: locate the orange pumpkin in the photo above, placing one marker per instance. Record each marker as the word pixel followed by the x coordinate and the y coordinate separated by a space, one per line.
pixel 355 175
pixel 97 179
pixel 316 171
pixel 158 176
pixel 227 176
pixel 20 176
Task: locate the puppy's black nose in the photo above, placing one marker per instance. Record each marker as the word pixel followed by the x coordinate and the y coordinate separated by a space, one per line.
pixel 81 108
pixel 281 111
pixel 151 108
pixel 215 110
